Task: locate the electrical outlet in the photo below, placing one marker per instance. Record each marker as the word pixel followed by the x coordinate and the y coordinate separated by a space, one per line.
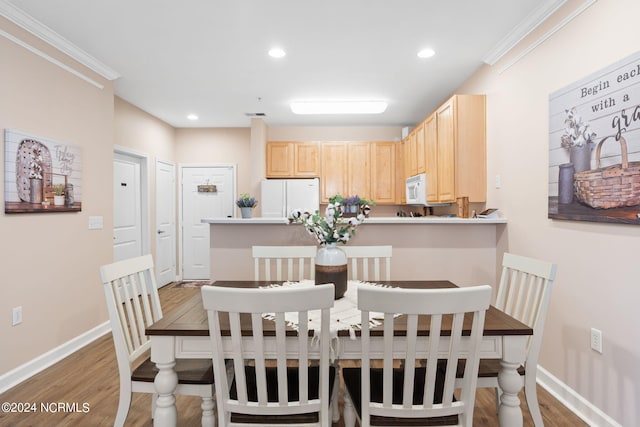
pixel 498 181
pixel 596 340
pixel 16 316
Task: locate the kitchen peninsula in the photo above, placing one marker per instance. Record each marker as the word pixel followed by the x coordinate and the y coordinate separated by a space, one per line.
pixel 465 251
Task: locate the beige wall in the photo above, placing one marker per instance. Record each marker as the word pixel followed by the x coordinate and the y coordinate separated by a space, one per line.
pixel 597 281
pixel 50 261
pixel 335 133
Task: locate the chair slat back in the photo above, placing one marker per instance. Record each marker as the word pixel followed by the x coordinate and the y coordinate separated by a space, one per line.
pixel 293 263
pixel 133 304
pixel 444 310
pixel 369 262
pixel 524 293
pixel 250 348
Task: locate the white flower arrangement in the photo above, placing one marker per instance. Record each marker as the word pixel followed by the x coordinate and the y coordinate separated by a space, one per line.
pixel 333 227
pixel 35 164
pixel 578 132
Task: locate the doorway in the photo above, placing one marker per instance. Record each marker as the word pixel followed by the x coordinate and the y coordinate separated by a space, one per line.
pixel 206 192
pixel 130 204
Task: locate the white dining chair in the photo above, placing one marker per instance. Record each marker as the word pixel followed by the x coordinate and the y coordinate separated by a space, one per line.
pixel 413 394
pixel 277 384
pixel 293 263
pixel 523 293
pixel 369 262
pixel 133 304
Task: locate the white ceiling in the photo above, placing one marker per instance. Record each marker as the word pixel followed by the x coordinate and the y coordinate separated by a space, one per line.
pixel 209 57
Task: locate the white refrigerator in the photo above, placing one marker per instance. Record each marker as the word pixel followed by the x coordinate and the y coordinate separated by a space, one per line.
pixel 281 196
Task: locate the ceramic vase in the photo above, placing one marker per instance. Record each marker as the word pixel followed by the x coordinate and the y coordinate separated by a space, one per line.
pixel 246 212
pixel 565 184
pixel 331 267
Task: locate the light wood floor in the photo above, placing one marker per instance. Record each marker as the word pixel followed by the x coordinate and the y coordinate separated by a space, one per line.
pixel 90 376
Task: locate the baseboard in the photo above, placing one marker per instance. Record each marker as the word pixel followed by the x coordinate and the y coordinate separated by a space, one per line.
pixel 577 404
pixel 40 363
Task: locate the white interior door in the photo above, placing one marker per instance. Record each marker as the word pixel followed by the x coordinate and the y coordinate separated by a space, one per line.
pixel 165 223
pixel 127 217
pixel 197 205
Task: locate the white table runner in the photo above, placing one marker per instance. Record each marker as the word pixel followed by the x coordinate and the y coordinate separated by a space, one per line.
pixel 344 314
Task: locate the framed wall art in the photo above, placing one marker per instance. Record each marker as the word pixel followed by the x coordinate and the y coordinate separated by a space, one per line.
pixel 594 146
pixel 41 175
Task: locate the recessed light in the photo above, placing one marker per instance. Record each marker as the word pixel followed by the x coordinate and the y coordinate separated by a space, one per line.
pixel 338 107
pixel 276 52
pixel 426 53
pixel 192 117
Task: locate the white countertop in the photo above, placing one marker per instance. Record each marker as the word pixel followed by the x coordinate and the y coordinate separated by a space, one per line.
pixel 371 220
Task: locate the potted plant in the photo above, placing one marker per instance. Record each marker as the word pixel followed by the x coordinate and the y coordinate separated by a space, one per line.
pixel 58 194
pixel 246 203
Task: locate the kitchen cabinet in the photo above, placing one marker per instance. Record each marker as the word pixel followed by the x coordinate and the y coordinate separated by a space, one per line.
pixel 460 168
pixel 333 170
pixel 410 161
pixel 359 169
pixel 399 174
pixel 306 160
pixel 383 172
pixel 288 159
pixel 366 169
pixel 420 149
pixel 431 157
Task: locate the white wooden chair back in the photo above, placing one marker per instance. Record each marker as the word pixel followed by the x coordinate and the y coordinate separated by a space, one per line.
pixel 524 293
pixel 133 304
pixel 369 263
pixel 293 263
pixel 255 351
pixel 444 306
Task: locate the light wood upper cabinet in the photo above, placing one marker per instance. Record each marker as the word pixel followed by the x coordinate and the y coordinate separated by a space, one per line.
pixel 279 159
pixel 420 149
pixel 446 174
pixel 306 159
pixel 293 159
pixel 410 159
pixel 431 157
pixel 333 170
pixel 383 172
pixel 400 175
pixel 461 149
pixel 359 169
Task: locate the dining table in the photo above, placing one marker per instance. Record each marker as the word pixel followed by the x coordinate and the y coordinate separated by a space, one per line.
pixel 183 332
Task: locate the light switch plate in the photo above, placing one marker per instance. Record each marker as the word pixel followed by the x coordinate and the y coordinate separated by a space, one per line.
pixel 95 222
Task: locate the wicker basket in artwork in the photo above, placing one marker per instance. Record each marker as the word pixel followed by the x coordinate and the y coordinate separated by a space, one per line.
pixel 610 187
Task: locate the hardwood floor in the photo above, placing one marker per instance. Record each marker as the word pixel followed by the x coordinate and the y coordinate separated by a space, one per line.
pixel 87 383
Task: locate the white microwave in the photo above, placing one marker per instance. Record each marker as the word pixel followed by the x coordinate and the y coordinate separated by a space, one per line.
pixel 416 191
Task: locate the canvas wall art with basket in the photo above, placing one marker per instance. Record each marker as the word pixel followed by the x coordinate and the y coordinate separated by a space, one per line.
pixel 612 186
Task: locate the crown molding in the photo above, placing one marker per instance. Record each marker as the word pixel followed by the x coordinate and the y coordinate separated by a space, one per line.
pixel 530 23
pixel 25 21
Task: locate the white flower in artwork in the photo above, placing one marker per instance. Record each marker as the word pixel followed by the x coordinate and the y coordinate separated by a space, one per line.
pixel 577 132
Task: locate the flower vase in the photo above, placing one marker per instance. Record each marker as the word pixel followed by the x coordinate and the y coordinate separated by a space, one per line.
pixel 580 156
pixel 35 190
pixel 246 212
pixel 331 267
pixel 565 183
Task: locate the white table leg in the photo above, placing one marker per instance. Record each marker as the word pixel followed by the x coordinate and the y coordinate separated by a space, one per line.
pixel 162 354
pixel 510 381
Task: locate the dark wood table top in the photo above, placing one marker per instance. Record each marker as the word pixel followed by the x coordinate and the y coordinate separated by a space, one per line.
pixel 190 318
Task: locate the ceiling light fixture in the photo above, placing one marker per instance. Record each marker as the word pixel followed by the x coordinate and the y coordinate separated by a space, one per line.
pixel 426 53
pixel 338 107
pixel 276 52
pixel 192 117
